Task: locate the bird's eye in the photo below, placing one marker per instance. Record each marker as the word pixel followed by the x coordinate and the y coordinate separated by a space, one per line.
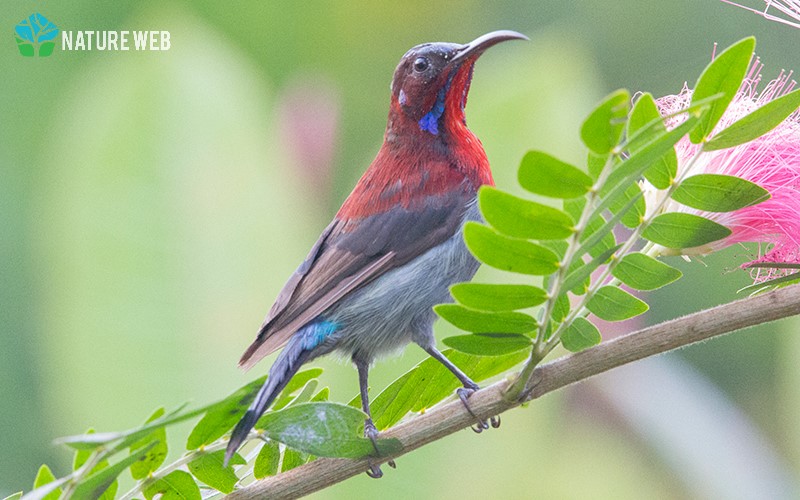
pixel 420 64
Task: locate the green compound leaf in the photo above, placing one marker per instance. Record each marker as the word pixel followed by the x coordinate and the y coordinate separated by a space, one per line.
pixel 325 430
pixel 521 218
pixel 580 335
pixel 177 485
pixel 486 297
pixel 268 460
pixel 508 254
pixel 719 193
pixel 474 321
pixel 545 175
pixel 614 304
pixel 210 469
pixel 680 230
pixel 643 272
pixel 157 454
pixel 757 123
pixel 489 344
pixel 603 128
pixel 724 75
pixel 645 114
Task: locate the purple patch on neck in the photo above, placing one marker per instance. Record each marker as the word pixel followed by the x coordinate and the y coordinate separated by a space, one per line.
pixel 430 123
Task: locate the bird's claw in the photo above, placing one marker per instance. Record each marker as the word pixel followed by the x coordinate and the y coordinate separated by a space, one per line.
pixel 371 432
pixel 463 394
pixel 375 472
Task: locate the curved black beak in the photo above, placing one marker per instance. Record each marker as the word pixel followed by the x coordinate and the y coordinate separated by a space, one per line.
pixel 477 46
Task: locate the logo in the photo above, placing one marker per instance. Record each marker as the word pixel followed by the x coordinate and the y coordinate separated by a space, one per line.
pixel 35 36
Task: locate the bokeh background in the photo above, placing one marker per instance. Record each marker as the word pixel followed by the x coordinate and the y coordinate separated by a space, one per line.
pixel 152 205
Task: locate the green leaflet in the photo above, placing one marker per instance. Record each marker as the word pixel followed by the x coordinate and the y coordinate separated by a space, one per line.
pixel 545 175
pixel 632 203
pixel 603 128
pixel 757 123
pixel 681 230
pixel 301 379
pixel 723 76
pixel 474 321
pixel 521 218
pixel 293 458
pixel 508 254
pixel 44 477
pixel 614 304
pixel 268 460
pixel 177 485
pixel 486 297
pixel 719 193
pixel 644 113
pixel 80 458
pixel 157 454
pixel 99 482
pixel 643 272
pixel 210 469
pixel 489 344
pixel 580 335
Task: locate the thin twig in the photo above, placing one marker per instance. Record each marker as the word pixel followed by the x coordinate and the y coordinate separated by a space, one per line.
pixel 451 417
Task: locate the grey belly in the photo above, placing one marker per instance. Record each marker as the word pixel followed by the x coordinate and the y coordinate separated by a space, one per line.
pixel 396 308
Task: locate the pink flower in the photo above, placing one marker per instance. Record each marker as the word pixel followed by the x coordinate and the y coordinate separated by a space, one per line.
pixel 771 161
pixel 783 11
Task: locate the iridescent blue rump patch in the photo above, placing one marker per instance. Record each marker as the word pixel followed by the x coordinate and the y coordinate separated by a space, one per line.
pixel 316 333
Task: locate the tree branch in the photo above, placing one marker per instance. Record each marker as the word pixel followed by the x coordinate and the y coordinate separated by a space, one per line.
pixel 451 417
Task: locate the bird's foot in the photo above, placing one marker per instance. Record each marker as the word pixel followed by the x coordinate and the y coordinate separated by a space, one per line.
pixel 371 432
pixel 463 394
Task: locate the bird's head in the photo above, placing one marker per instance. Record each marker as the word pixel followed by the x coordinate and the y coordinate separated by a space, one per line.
pixel 430 85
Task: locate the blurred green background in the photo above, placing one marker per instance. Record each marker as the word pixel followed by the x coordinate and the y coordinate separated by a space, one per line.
pixel 152 205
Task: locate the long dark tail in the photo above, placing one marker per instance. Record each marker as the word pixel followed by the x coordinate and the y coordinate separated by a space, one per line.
pixel 290 360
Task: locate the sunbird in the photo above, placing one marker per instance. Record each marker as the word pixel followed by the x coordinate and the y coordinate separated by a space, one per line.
pixel 394 248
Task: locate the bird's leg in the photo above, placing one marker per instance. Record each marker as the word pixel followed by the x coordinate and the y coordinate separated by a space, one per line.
pixel 370 430
pixel 463 392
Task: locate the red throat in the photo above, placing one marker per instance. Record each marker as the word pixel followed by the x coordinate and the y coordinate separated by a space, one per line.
pixel 413 164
